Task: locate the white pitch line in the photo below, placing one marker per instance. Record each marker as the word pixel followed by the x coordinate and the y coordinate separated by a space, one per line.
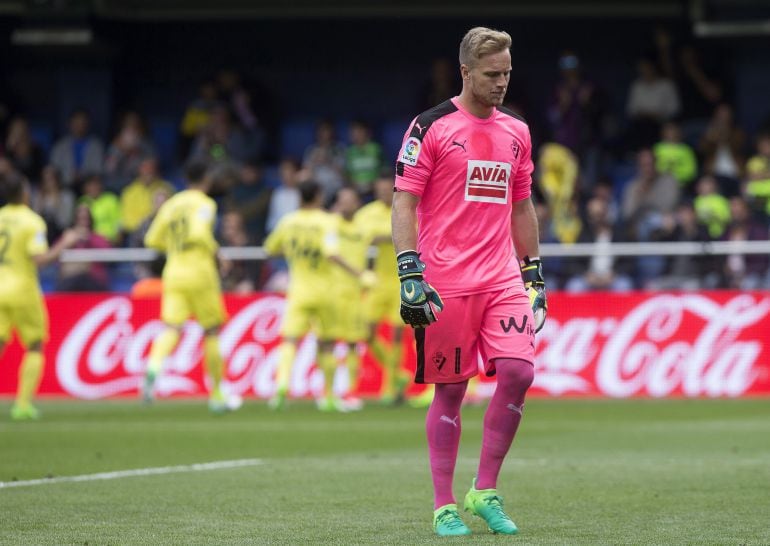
pixel 199 467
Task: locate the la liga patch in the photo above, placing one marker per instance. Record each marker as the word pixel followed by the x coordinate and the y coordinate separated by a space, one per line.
pixel 411 151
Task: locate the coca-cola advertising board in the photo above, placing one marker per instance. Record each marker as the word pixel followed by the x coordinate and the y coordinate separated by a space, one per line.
pixel 707 344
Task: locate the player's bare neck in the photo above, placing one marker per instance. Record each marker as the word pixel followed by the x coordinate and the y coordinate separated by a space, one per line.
pixel 473 107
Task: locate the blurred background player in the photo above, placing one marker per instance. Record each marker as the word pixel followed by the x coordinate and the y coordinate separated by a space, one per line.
pixel 24 248
pixel 352 278
pixel 307 238
pixel 381 302
pixel 184 230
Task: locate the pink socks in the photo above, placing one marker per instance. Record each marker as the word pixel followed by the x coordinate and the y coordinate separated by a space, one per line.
pixel 502 417
pixel 443 427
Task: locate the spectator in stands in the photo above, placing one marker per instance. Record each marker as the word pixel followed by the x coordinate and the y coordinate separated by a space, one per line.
pixel 285 198
pixel 674 157
pixel 55 204
pixel 239 101
pixel 136 200
pixel 757 187
pixel 84 276
pixel 363 159
pixel 700 86
pixel 647 199
pixel 78 152
pixel 221 141
pixel 104 207
pixel 232 92
pixel 197 116
pixel 238 276
pixel 711 207
pixel 25 154
pixel 558 178
pixel 126 152
pixel 722 149
pixel 600 272
pixel 649 194
pixel 575 113
pixel 745 271
pixel 326 160
pixel 684 272
pixel 652 100
pixel 251 199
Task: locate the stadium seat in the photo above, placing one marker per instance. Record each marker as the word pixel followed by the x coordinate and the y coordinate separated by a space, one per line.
pixel 165 136
pixel 391 136
pixel 296 136
pixel 42 133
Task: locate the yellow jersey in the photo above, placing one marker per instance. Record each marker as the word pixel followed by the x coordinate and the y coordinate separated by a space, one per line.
pixel 352 247
pixel 306 238
pixel 184 230
pixel 22 236
pixel 136 202
pixel 374 221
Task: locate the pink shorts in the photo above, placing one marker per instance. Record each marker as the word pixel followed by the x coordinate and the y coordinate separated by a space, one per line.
pixel 495 324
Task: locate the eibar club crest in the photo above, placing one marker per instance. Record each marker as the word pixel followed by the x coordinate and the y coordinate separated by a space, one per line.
pixel 515 149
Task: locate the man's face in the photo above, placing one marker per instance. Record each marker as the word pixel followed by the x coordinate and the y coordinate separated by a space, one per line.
pixel 347 202
pixel 488 79
pixel 383 190
pixel 79 125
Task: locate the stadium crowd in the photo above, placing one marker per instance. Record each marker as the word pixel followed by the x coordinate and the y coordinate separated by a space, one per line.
pixel 675 166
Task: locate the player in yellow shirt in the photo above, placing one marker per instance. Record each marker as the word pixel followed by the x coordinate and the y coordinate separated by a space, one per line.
pixel 307 238
pixel 383 302
pixel 136 199
pixel 24 248
pixel 184 230
pixel 350 283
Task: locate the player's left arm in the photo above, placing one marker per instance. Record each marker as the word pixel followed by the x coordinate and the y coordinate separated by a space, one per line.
pixel 526 235
pixel 37 245
pixel 524 230
pixel 156 234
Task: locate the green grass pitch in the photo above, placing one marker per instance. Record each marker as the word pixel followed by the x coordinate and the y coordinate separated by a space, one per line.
pixel 580 472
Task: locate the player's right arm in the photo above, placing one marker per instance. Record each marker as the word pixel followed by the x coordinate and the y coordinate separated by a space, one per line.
pixel 420 303
pixel 156 234
pixel 273 245
pixel 404 221
pixel 38 250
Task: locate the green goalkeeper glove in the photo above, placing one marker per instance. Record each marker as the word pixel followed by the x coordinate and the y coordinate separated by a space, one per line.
pixel 534 284
pixel 420 303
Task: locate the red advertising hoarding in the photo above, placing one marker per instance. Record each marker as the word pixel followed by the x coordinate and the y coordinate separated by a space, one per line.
pixel 707 344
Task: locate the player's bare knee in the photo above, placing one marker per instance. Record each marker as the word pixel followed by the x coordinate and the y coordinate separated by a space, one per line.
pixel 325 345
pixel 35 346
pixel 213 331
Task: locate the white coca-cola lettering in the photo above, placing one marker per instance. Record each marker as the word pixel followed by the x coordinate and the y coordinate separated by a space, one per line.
pixel 564 350
pixel 715 364
pixel 68 360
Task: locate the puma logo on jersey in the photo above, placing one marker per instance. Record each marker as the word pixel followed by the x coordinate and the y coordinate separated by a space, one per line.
pixel 419 127
pixel 487 181
pixel 455 143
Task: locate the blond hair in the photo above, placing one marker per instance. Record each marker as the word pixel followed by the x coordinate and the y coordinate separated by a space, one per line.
pixel 481 41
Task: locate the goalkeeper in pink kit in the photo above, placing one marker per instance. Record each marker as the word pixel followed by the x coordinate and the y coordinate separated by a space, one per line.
pixel 466 236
